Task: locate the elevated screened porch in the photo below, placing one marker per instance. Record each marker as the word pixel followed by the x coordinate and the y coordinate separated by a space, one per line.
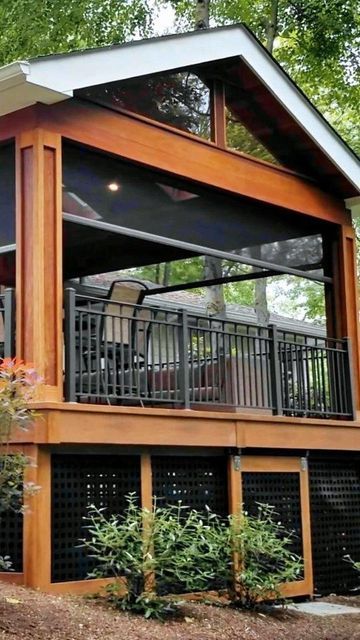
pixel 118 215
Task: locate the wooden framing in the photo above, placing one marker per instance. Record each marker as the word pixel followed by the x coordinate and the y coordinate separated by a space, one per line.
pixel 272 464
pixel 134 426
pixel 38 133
pixel 346 298
pixel 37 522
pixel 148 144
pixel 39 255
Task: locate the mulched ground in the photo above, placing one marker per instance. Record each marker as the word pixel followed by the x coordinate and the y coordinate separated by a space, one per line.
pixel 29 615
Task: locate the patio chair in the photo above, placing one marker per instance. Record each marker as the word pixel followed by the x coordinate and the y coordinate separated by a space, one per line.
pixel 119 348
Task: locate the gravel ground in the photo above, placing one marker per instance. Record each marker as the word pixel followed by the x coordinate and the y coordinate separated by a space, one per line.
pixel 30 615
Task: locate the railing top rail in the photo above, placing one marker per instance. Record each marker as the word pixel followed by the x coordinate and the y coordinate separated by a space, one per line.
pixel 284 335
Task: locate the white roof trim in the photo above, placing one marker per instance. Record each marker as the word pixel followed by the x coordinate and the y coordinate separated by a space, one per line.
pixel 54 78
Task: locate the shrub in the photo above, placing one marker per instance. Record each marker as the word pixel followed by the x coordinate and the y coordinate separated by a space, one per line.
pixel 18 383
pixel 262 556
pixel 175 548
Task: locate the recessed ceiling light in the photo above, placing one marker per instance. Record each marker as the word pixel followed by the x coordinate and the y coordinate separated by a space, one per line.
pixel 113 186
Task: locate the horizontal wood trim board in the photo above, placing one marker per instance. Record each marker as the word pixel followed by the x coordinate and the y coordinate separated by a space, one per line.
pixel 12 577
pixel 73 425
pixel 167 151
pixel 269 464
pixel 79 587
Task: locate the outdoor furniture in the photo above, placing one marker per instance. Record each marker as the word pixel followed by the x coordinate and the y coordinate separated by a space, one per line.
pixel 112 342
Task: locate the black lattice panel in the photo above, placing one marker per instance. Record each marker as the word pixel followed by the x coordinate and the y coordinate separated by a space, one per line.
pixel 335 520
pixel 11 538
pixel 194 481
pixel 77 482
pixel 281 491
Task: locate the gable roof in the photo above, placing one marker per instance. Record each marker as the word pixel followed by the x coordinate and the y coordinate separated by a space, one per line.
pixel 51 79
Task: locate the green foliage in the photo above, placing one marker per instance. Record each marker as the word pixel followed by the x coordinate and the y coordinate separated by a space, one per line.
pixel 30 28
pixel 18 383
pixel 174 545
pixel 265 559
pixel 318 43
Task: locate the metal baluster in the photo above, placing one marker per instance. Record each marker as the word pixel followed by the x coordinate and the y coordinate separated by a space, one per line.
pixel 70 346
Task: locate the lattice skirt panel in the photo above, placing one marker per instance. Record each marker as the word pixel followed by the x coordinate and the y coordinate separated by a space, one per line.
pixel 11 538
pixel 195 481
pixel 335 524
pixel 281 491
pixel 77 482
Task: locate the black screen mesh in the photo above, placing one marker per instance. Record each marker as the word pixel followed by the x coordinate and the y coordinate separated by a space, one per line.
pixel 77 482
pixel 194 481
pixel 335 524
pixel 281 491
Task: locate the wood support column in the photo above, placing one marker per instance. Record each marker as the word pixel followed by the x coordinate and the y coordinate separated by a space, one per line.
pixel 39 256
pixel 146 503
pixel 346 298
pixel 37 521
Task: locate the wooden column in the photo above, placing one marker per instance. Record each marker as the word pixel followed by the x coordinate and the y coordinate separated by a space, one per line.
pixel 346 298
pixel 39 256
pixel 146 503
pixel 37 521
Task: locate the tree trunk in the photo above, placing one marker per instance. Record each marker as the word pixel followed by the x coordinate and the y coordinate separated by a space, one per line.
pixel 215 301
pixel 202 14
pixel 261 301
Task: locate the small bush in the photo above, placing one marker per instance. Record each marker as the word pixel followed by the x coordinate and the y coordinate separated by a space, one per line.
pixel 176 547
pixel 262 555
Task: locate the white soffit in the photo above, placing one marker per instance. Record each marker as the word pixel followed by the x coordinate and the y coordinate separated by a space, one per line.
pixel 54 78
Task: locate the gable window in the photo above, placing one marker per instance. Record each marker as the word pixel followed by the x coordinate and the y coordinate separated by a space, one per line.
pixel 181 100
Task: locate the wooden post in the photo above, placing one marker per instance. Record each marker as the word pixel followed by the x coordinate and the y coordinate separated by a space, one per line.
pixel 146 503
pixel 37 522
pixel 306 524
pixel 235 506
pixel 346 299
pixel 39 256
pixel 218 122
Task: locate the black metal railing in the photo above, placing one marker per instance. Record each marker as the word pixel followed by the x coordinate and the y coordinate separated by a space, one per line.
pixel 7 323
pixel 142 354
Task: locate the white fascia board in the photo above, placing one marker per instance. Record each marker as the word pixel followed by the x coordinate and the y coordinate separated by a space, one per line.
pixel 138 58
pixel 24 95
pixel 17 93
pixel 13 74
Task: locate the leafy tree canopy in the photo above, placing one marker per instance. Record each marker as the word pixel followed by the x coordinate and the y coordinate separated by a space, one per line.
pixel 30 28
pixel 318 43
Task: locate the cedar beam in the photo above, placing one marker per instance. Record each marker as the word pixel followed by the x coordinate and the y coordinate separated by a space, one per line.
pixel 190 158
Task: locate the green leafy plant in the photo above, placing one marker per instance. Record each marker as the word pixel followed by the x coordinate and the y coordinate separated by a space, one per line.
pixel 156 555
pixel 18 384
pixel 264 560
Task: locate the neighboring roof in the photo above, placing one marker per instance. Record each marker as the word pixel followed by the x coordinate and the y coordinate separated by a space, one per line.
pixel 195 303
pixel 53 78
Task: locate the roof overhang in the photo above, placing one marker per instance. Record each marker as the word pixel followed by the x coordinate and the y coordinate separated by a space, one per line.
pixel 54 78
